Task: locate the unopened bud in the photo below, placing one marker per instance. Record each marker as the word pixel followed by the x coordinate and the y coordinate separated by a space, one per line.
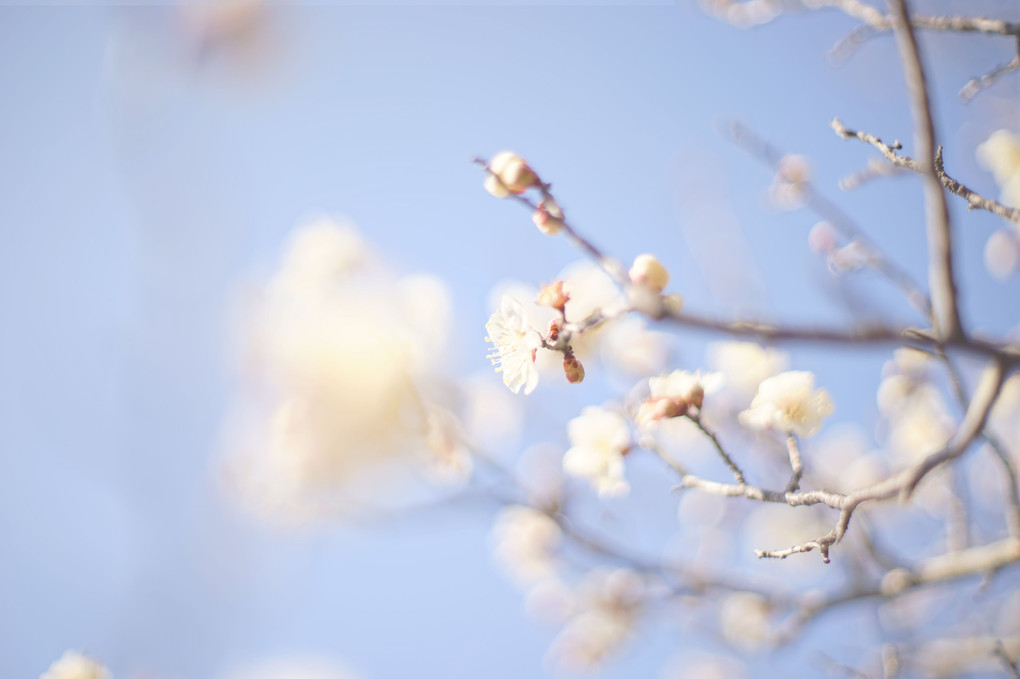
pixel 573 369
pixel 794 168
pixel 548 218
pixel 555 327
pixel 655 409
pixel 696 396
pixel 822 238
pixel 553 295
pixel 510 174
pixel 649 272
pixel 494 186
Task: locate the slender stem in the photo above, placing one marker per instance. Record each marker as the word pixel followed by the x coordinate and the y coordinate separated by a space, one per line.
pixel 940 245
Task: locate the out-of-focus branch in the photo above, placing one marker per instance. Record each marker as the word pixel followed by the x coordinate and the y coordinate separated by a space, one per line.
pixel 941 280
pixel 973 423
pixel 796 465
pixel 1011 665
pixel 1012 486
pixel 878 21
pixel 830 212
pixel 973 198
pixel 972 88
pixel 973 561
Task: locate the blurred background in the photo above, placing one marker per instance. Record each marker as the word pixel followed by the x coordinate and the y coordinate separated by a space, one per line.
pixel 154 160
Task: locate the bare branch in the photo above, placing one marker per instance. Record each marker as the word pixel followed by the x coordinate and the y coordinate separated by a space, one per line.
pixel 973 198
pixel 738 474
pixel 973 422
pixel 940 246
pixel 975 86
pixel 795 464
pixel 1000 652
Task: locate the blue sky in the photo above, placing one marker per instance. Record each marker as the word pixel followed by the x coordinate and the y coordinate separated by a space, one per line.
pixel 141 189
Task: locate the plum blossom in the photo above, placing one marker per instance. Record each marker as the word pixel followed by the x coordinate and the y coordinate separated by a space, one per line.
pixel 599 438
pixel 1000 154
pixel 746 364
pixel 649 272
pixel 510 174
pixel 524 542
pixel 514 346
pixel 341 374
pixel 74 665
pixel 607 604
pixel 788 403
pixel 673 394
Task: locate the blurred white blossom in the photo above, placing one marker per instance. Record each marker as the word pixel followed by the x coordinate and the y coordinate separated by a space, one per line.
pixel 524 542
pixel 788 403
pixel 649 272
pixel 74 665
pixel 744 620
pixel 790 184
pixel 746 364
pixel 608 603
pixel 510 174
pixel 1000 154
pixel 599 438
pixel 341 371
pixel 1002 253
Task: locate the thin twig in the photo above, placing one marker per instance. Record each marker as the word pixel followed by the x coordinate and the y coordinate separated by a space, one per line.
pixel 738 474
pixel 1011 665
pixel 795 464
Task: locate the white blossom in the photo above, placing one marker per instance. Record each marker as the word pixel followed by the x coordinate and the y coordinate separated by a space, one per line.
pixel 74 665
pixel 599 438
pixel 746 364
pixel 1000 154
pixel 649 272
pixel 607 604
pixel 514 346
pixel 744 620
pixel 524 542
pixel 509 174
pixel 341 359
pixel 788 403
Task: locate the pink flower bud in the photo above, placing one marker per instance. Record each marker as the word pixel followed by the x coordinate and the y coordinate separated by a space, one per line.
pixel 553 295
pixel 573 369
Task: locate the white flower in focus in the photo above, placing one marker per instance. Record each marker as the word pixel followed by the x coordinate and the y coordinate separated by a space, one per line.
pixel 788 403
pixel 524 542
pixel 1000 154
pixel 74 665
pixel 746 364
pixel 599 438
pixel 514 346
